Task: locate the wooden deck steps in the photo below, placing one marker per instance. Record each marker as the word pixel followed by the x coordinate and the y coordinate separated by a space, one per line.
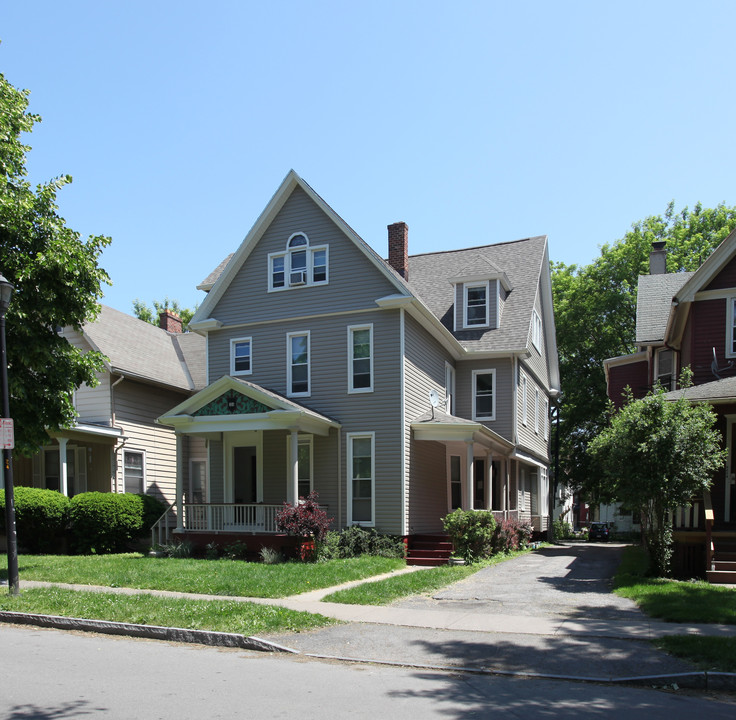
pixel 724 565
pixel 428 550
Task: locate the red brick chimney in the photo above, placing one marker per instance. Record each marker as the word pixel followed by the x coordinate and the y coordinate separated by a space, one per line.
pixel 398 248
pixel 169 321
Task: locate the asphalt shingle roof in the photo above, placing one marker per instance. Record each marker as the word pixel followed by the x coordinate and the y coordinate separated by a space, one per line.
pixel 146 351
pixel 654 299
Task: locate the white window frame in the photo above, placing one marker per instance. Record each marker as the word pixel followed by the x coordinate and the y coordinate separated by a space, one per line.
pixel 537 400
pixel 449 389
pixel 205 463
pixel 302 441
pixel 352 329
pixel 523 383
pixel 537 331
pixel 289 364
pixel 731 327
pixel 658 374
pixel 546 419
pixel 287 255
pixel 239 341
pixel 349 438
pixel 142 453
pixel 471 286
pixel 492 416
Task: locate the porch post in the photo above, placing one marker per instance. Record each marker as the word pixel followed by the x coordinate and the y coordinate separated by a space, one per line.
pixel 63 475
pixel 179 482
pixel 489 481
pixel 294 465
pixel 470 473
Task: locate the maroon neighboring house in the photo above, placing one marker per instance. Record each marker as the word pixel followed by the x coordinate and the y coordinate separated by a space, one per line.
pixel 689 319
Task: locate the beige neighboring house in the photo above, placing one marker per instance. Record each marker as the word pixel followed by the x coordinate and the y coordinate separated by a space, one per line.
pixel 116 445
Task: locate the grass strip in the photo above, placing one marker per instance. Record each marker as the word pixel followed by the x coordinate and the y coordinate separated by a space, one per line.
pixel 210 577
pixel 383 592
pixel 692 601
pixel 218 615
pixel 706 653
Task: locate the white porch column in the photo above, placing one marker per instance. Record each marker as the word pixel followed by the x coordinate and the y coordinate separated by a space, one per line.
pixel 63 470
pixel 293 495
pixel 469 474
pixel 179 482
pixel 489 481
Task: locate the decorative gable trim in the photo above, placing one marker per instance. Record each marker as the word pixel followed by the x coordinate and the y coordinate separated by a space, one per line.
pixel 232 403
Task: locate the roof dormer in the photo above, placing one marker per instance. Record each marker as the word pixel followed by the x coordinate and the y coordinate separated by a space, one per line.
pixel 480 293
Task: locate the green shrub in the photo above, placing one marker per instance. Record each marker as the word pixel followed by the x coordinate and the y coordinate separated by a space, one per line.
pixel 562 530
pixel 329 547
pixel 41 518
pixel 356 540
pixel 183 549
pixel 105 522
pixel 237 550
pixel 471 532
pixel 270 556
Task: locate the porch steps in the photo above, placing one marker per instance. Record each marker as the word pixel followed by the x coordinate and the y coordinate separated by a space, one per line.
pixel 724 565
pixel 428 550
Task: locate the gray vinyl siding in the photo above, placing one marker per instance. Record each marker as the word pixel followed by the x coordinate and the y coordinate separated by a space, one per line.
pixel 378 411
pixel 354 282
pixel 426 487
pixel 503 424
pixel 136 407
pixel 537 360
pixel 91 403
pixel 527 437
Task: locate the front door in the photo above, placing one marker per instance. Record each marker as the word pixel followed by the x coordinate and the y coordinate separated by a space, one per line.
pixel 245 475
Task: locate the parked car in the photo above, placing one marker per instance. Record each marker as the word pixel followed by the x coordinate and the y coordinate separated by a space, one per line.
pixel 599 531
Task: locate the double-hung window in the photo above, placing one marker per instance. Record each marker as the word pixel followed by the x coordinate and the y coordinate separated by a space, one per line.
pixel 360 354
pixel 133 472
pixel 484 394
pixel 537 331
pixel 522 382
pixel 476 304
pixel 536 410
pixel 665 368
pixel 298 370
pixel 361 478
pixel 298 265
pixel 241 356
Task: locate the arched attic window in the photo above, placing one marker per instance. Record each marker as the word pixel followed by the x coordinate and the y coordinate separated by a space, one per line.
pixel 299 265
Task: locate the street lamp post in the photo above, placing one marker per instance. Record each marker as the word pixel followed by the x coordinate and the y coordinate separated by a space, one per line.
pixel 6 292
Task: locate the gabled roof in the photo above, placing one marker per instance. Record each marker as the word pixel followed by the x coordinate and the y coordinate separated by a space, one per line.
pixel 714 392
pixel 431 275
pixel 230 268
pixel 146 352
pixel 653 304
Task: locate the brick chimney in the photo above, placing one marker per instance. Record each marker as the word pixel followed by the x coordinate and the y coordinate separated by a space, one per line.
pixel 169 321
pixel 398 248
pixel 658 258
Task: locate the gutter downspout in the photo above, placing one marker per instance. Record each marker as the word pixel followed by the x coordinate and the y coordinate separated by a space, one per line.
pixel 113 459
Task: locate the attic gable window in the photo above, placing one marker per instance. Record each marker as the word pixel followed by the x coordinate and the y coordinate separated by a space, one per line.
pixel 300 265
pixel 537 331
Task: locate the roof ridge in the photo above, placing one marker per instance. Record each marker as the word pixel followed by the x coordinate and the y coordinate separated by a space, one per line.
pixel 479 247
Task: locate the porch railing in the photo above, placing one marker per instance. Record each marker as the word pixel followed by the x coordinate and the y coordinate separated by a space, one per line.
pixel 162 528
pixel 228 517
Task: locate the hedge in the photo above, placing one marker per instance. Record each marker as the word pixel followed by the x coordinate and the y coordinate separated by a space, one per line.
pixel 41 518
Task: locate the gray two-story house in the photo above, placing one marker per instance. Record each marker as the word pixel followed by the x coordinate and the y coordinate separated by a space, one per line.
pixel 398 390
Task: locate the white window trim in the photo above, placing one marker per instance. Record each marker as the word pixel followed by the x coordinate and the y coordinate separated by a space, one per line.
pixel 233 343
pixel 310 251
pixel 289 336
pixel 537 331
pixel 137 451
pixel 351 330
pixel 301 440
pixel 466 287
pixel 657 373
pixel 730 329
pixel 349 437
pixel 205 461
pixel 537 400
pixel 523 383
pixel 546 419
pixel 492 372
pixel 449 389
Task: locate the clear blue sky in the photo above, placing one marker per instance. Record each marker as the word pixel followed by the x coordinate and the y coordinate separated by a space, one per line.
pixel 473 122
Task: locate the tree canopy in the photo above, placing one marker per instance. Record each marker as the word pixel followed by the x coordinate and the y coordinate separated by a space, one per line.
pixel 57 283
pixel 595 315
pixel 151 314
pixel 656 455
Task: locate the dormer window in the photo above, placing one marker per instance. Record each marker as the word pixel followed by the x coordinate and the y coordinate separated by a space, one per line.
pixel 476 305
pixel 299 265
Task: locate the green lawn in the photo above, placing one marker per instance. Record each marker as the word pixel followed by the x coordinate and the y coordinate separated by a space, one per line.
pixel 219 615
pixel 383 592
pixel 210 577
pixel 683 602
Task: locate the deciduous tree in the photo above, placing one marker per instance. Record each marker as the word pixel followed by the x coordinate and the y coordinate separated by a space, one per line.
pixel 57 283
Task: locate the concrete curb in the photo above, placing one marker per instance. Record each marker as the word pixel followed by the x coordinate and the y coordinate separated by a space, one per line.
pixel 692 680
pixel 150 632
